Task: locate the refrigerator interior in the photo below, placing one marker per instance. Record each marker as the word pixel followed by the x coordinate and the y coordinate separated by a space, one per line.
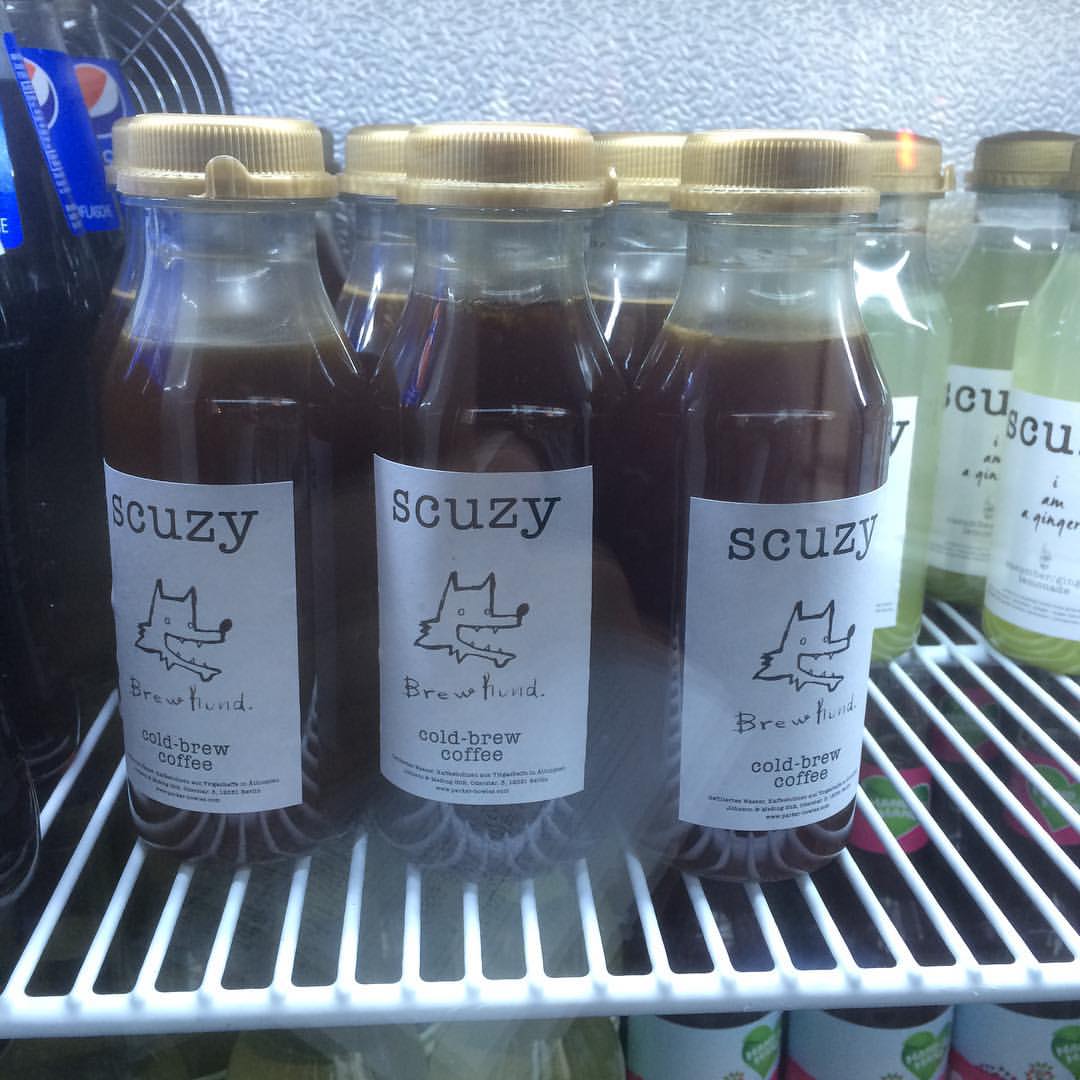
pixel 114 940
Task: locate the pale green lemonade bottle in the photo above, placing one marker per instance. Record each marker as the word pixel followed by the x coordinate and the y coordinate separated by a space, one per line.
pixel 1032 607
pixel 1021 221
pixel 905 315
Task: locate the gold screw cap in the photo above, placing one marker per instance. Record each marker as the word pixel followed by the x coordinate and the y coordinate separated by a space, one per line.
pixel 374 160
pixel 502 166
pixel 903 163
pixel 1031 160
pixel 776 172
pixel 646 163
pixel 183 155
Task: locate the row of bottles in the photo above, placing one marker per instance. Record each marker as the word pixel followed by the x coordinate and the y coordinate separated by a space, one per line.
pixel 970 1042
pixel 716 547
pixel 491 450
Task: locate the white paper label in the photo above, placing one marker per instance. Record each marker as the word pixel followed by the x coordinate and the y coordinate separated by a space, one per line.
pixel 890 553
pixel 779 621
pixel 1034 578
pixel 824 1047
pixel 485 604
pixel 661 1049
pixel 992 1042
pixel 204 596
pixel 972 444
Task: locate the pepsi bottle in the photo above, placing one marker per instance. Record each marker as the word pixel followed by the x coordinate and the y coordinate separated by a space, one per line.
pixel 104 88
pixel 48 468
pixel 54 83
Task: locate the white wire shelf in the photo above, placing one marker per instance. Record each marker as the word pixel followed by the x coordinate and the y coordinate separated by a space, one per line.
pixel 113 938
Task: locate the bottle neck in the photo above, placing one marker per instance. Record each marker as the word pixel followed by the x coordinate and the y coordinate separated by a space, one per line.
pixel 1028 220
pixel 381 221
pixel 35 24
pixel 640 227
pixel 781 277
pixel 892 248
pixel 231 273
pixel 506 257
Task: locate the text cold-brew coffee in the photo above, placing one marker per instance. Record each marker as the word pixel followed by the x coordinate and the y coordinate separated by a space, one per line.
pixel 237 497
pixel 756 452
pixel 487 503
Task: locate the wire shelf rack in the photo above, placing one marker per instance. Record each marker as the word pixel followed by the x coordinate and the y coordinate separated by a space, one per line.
pixel 114 938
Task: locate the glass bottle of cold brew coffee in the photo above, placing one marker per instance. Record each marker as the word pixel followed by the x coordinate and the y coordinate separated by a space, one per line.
pixel 1021 222
pixel 383 239
pixel 756 449
pixel 236 478
pixel 908 323
pixel 494 590
pixel 1032 609
pixel 637 253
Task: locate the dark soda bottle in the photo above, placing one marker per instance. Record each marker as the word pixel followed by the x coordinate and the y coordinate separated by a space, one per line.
pixel 237 476
pixel 755 455
pixel 383 238
pixel 19 813
pixel 498 751
pixel 55 84
pixel 50 473
pixel 637 252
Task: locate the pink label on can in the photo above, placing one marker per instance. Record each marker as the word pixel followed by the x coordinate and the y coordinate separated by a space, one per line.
pixel 1040 807
pixel 794 1071
pixel 962 1069
pixel 895 812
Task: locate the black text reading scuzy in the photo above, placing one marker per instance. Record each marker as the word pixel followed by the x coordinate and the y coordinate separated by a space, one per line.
pixel 820 542
pixel 529 516
pixel 226 528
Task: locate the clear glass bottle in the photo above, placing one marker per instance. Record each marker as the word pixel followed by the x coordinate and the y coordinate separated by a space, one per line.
pixel 496 589
pixel 1021 221
pixel 584 1049
pixel 905 315
pixel 237 477
pixel 755 454
pixel 383 239
pixel 1032 608
pixel 637 251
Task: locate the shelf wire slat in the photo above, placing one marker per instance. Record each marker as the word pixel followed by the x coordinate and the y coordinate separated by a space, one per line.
pixel 901 693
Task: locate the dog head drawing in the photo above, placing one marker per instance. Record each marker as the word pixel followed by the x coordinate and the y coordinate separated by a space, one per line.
pixel 173 634
pixel 466 623
pixel 804 652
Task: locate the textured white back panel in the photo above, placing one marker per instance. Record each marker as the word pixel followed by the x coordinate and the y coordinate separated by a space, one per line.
pixel 953 70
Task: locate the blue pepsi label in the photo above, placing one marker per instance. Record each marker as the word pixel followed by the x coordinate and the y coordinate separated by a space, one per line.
pixel 44 133
pixel 106 96
pixel 10 222
pixel 53 81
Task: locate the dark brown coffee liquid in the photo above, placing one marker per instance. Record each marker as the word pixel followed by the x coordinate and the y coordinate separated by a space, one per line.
pixel 486 387
pixel 630 328
pixel 202 414
pixel 369 322
pixel 744 420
